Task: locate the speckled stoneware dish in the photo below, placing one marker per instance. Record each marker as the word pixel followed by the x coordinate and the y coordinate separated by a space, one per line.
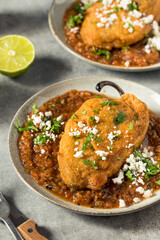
pixel 151 98
pixel 55 17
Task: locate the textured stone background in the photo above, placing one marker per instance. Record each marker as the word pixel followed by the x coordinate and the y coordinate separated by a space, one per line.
pixel 53 64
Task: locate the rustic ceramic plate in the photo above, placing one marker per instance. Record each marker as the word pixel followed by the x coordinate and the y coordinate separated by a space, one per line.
pixel 151 98
pixel 55 17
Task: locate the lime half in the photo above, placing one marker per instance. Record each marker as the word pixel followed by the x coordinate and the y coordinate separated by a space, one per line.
pixel 17 53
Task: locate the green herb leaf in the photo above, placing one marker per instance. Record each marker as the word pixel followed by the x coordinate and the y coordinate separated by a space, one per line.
pixel 124 48
pixel 131 125
pixel 102 52
pixel 87 5
pixel 133 6
pixel 83 112
pixel 97 96
pixel 158 182
pixel 74 116
pixel 116 9
pixel 96 110
pixel 94 22
pixel 120 118
pixel 107 102
pixel 99 140
pixel 30 126
pixel 56 127
pixel 76 137
pixel 75 20
pixel 111 147
pixel 86 162
pixel 92 119
pixel 95 165
pixel 35 109
pixel 115 137
pixel 129 174
pixel 40 139
pixel 53 105
pixel 87 140
pixel 135 117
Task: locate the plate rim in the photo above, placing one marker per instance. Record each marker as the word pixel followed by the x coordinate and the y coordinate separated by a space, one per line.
pixel 68 205
pixel 155 66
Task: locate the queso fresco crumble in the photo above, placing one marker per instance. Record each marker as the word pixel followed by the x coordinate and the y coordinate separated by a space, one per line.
pixel 38 145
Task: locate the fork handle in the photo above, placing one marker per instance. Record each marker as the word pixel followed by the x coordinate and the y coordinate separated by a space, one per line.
pixel 12 228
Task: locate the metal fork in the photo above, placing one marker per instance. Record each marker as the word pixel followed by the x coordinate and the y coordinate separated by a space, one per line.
pixel 4 213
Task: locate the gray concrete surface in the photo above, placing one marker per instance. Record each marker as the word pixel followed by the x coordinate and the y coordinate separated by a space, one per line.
pixel 53 64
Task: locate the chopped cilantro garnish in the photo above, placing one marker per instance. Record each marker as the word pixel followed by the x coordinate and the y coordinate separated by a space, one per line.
pixel 95 165
pixel 133 6
pixel 87 5
pixel 35 109
pixel 96 110
pixel 109 14
pixel 129 174
pixel 124 48
pixel 102 52
pixel 77 136
pixel 135 117
pixel 116 9
pixel 56 127
pixel 100 158
pixel 86 162
pixel 107 102
pixel 92 119
pixel 94 22
pixel 158 182
pixel 83 112
pixel 30 126
pixel 74 116
pixel 75 20
pixel 40 139
pixel 115 137
pixel 131 125
pixel 151 169
pixel 53 105
pixel 120 118
pixel 87 140
pixel 111 147
pixel 97 96
pixel 99 140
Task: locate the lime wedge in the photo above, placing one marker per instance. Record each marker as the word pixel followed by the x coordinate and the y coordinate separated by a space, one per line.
pixel 17 53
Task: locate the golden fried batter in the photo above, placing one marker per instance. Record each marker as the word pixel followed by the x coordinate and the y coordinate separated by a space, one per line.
pixel 98 139
pixel 118 34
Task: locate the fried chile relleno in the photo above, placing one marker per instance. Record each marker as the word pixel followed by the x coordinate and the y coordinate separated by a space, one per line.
pixel 96 144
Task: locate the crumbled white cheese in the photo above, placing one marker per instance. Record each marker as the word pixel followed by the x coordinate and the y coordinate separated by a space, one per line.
pixel 136 200
pixel 135 13
pixel 140 180
pixel 102 154
pixel 147 194
pixel 48 114
pixel 48 125
pixel 88 1
pixel 154 42
pixel 42 151
pixel 78 154
pixel 140 190
pixel 37 120
pixel 96 119
pixel 75 133
pixel 122 203
pixel 76 142
pixel 156 28
pixel 100 25
pixel 148 19
pixel 120 178
pixel 127 63
pixel 75 30
pixel 94 131
pixel 59 118
pixel 107 2
pixel 124 4
pixel 81 125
